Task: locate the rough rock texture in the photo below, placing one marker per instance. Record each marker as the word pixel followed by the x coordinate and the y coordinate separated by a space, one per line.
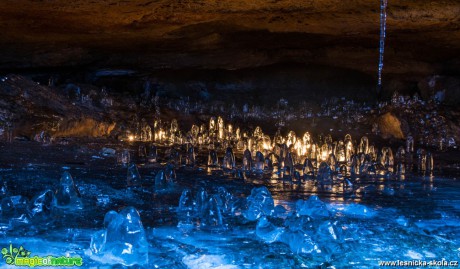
pixel 32 108
pixel 390 126
pixel 423 37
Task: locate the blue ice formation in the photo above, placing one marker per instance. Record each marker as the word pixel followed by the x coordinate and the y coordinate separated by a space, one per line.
pixel 310 231
pixel 123 240
pixel 67 195
pixel 259 203
pixel 133 178
pixel 312 207
pixel 267 231
pixel 207 210
pixel 41 205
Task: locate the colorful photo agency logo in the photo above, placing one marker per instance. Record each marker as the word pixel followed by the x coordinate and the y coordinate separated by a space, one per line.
pixel 21 257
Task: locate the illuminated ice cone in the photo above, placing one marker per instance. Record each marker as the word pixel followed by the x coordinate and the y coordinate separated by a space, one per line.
pixel 324 173
pixel 67 195
pixel 308 169
pixel 174 127
pixel 421 161
pixel 124 157
pixel 289 163
pixel 185 210
pixel 190 158
pixel 195 130
pixel 201 199
pixel 258 134
pixel 429 163
pixel 400 154
pixel 363 145
pixel 212 126
pixel 161 182
pixel 220 128
pixel 355 166
pixel 247 160
pixel 272 161
pixel 387 159
pixel 213 161
pixel 229 159
pixel 291 139
pixel 152 155
pixel 332 162
pixel 123 241
pixel 133 178
pixel 409 144
pixel 340 152
pixel 142 152
pixel 170 173
pixel 400 169
pixel 174 156
pixel 349 148
pixel 259 161
pixel 146 133
pixel 348 187
pixel 307 138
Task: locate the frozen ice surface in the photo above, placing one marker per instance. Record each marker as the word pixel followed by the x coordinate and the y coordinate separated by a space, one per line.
pixel 67 195
pixel 207 261
pixel 354 210
pixel 325 229
pixel 123 241
pixel 259 203
pixel 312 207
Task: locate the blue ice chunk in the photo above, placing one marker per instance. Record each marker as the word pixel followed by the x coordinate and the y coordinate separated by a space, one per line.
pixel 133 178
pixel 329 235
pixel 164 179
pixel 212 214
pixel 185 211
pixel 67 195
pixel 301 223
pixel 312 207
pixel 267 231
pixel 229 159
pixel 213 160
pixel 40 206
pixel 8 209
pixel 186 201
pixel 324 173
pixel 225 199
pixel 201 200
pixel 259 161
pixel 300 243
pixel 247 160
pixel 259 203
pixel 123 241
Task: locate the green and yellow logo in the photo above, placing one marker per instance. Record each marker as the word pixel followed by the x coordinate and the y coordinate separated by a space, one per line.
pixel 21 257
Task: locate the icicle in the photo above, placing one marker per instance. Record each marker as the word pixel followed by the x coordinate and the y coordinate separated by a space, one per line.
pixel 383 25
